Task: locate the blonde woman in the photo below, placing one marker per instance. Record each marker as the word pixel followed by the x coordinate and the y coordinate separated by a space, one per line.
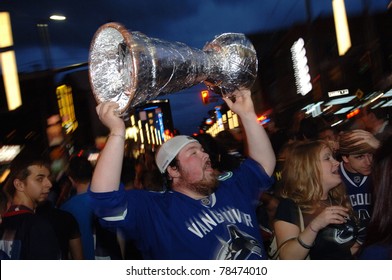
pixel 312 184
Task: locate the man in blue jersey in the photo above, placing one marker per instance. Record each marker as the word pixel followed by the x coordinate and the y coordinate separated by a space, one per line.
pixel 98 243
pixel 200 216
pixel 356 149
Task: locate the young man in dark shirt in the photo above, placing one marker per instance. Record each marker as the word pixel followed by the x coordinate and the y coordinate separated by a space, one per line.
pixel 23 234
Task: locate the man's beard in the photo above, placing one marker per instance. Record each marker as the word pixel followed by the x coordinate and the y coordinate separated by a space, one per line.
pixel 205 187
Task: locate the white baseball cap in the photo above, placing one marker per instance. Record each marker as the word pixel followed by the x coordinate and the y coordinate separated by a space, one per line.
pixel 169 150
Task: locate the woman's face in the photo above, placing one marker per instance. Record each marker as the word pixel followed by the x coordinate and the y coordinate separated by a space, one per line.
pixel 330 177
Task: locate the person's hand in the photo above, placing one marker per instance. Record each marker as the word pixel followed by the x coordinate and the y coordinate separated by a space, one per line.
pixel 330 215
pixel 364 136
pixel 240 102
pixel 109 116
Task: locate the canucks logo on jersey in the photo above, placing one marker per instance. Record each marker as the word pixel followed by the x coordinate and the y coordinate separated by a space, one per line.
pixel 240 246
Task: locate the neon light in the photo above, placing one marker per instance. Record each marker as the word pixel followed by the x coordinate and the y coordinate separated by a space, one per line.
pixel 8 64
pixel 150 108
pixel 161 126
pixel 219 118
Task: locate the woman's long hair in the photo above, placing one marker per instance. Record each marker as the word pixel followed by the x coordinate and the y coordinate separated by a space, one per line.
pixel 302 177
pixel 380 226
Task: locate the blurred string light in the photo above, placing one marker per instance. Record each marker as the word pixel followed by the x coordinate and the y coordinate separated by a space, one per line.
pixel 378 104
pixel 372 98
pixel 8 63
pixel 341 26
pixel 336 123
pixel 301 68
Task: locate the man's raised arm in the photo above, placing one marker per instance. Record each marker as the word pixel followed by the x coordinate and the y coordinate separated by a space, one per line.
pixel 107 172
pixel 258 142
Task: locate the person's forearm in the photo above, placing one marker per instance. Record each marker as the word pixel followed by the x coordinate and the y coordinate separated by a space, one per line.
pixel 355 248
pixel 76 249
pixel 259 145
pixel 107 172
pixel 293 251
pixel 298 248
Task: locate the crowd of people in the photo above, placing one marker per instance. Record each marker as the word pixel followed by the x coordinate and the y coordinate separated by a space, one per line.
pixel 320 193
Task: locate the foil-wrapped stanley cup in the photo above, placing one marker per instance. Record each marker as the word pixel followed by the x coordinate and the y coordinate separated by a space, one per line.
pixel 130 68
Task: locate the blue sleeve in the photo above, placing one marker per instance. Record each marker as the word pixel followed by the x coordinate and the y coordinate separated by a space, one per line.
pixel 126 210
pixel 252 173
pixel 109 206
pixel 249 180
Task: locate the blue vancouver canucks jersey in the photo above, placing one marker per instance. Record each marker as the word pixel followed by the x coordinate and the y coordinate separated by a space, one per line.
pixel 171 225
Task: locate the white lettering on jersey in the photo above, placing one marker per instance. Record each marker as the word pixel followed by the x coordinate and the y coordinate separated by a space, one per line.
pixel 361 199
pixel 203 224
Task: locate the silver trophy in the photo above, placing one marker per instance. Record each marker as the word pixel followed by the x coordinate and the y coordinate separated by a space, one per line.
pixel 130 68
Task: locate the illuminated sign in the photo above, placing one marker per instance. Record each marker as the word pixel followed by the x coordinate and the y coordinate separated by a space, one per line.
pixel 219 120
pixel 151 123
pixel 161 126
pixel 338 92
pixel 66 108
